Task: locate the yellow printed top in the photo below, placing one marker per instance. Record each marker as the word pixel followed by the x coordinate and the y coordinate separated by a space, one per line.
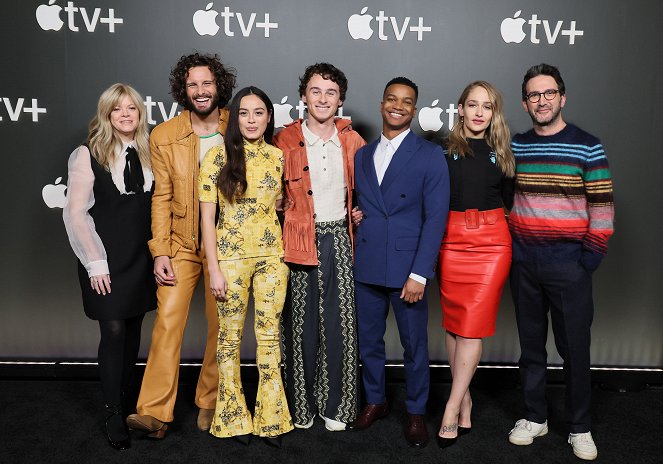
pixel 248 227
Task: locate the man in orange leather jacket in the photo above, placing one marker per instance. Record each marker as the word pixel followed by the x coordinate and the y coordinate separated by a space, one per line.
pixel 203 86
pixel 319 324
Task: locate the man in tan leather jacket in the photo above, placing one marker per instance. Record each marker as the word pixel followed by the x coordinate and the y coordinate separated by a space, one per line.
pixel 203 86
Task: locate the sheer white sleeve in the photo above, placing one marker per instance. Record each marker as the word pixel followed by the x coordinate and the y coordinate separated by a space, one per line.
pixel 83 236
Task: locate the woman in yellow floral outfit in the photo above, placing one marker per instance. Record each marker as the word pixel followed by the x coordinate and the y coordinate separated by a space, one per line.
pixel 244 178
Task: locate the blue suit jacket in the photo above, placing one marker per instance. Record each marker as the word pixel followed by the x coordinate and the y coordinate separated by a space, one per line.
pixel 404 217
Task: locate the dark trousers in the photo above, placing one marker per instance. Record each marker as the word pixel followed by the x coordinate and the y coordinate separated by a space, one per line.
pixel 412 320
pixel 565 289
pixel 321 366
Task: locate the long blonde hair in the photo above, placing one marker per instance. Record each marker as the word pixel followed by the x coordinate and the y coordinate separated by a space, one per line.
pixel 102 138
pixel 497 134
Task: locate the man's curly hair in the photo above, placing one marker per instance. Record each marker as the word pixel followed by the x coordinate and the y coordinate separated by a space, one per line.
pixel 224 77
pixel 327 71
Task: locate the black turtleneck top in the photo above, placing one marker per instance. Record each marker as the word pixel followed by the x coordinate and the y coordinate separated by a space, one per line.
pixel 476 180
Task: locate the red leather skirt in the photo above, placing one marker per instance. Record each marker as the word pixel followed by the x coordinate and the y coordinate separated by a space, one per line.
pixel 475 257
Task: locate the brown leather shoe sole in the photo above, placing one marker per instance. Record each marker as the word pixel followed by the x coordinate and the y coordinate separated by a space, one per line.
pixel 154 428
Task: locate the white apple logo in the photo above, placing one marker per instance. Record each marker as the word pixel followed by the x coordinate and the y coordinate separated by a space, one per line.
pixel 429 117
pixel 282 113
pixel 359 25
pixel 512 29
pixel 48 16
pixel 53 194
pixel 204 21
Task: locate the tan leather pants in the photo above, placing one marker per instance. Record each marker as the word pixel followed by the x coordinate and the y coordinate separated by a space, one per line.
pixel 159 388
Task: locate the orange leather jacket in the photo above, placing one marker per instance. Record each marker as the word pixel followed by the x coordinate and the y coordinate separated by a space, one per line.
pixel 299 226
pixel 175 161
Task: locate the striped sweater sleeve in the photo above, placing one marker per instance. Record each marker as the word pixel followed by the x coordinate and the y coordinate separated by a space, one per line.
pixel 600 208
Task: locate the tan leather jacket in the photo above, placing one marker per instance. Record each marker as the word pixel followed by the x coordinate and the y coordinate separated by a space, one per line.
pixel 175 162
pixel 299 226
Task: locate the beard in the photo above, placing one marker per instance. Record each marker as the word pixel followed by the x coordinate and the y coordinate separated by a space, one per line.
pixel 543 121
pixel 213 105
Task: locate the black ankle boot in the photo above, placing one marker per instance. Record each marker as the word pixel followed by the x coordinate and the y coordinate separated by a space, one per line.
pixel 116 430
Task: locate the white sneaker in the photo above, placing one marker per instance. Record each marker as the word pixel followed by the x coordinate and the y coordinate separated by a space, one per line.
pixel 583 445
pixel 333 425
pixel 304 426
pixel 524 432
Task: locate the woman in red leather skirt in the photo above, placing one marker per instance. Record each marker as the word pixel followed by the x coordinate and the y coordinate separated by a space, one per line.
pixel 475 255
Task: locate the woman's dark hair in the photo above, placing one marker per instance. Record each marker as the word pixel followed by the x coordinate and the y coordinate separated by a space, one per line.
pixel 543 69
pixel 327 71
pixel 224 77
pixel 232 178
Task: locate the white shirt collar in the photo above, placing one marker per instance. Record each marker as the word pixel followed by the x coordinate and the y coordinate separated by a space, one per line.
pixel 312 139
pixel 123 151
pixel 395 142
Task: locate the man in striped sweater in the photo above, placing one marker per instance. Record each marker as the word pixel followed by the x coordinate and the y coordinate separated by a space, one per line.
pixel 560 223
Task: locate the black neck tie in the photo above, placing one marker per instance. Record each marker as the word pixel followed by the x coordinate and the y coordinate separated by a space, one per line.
pixel 133 172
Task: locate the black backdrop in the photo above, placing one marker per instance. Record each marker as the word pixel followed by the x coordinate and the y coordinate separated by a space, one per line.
pixel 56 63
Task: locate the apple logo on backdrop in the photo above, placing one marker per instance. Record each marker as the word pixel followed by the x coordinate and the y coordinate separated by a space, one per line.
pixel 359 25
pixel 429 117
pixel 512 29
pixel 48 16
pixel 282 113
pixel 204 21
pixel 54 194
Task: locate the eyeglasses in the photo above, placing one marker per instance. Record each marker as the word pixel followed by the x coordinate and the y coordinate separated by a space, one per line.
pixel 534 97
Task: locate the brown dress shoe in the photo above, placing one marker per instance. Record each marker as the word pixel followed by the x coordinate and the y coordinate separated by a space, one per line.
pixel 415 431
pixel 204 421
pixel 368 415
pixel 153 426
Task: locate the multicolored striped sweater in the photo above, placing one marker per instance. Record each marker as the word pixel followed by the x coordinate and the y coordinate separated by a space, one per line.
pixel 563 207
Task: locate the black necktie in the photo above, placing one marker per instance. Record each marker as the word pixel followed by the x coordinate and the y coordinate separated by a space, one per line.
pixel 133 172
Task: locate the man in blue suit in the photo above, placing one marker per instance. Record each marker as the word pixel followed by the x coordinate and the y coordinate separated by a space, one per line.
pixel 402 188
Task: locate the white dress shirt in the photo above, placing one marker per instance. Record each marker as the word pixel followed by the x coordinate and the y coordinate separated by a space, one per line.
pixel 385 152
pixel 382 157
pixel 325 162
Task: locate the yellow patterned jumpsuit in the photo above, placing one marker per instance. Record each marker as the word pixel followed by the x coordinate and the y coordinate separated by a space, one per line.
pixel 250 253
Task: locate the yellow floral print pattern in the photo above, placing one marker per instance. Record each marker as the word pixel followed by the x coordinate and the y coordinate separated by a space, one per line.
pixel 248 227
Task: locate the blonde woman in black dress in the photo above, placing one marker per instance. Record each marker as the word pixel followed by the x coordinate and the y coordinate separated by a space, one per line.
pixel 107 218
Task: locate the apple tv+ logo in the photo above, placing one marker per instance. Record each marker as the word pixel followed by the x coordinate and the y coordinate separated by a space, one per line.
pixel 15 110
pixel 513 30
pixel 282 110
pixel 54 195
pixel 48 17
pixel 204 22
pixel 359 26
pixel 430 117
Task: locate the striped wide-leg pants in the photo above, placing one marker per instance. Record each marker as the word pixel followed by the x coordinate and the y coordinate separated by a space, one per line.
pixel 320 332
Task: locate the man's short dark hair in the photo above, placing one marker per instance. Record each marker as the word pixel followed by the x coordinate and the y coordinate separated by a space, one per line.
pixel 403 81
pixel 327 71
pixel 224 77
pixel 543 69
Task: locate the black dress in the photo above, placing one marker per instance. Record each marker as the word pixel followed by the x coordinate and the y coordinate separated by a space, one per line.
pixel 123 224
